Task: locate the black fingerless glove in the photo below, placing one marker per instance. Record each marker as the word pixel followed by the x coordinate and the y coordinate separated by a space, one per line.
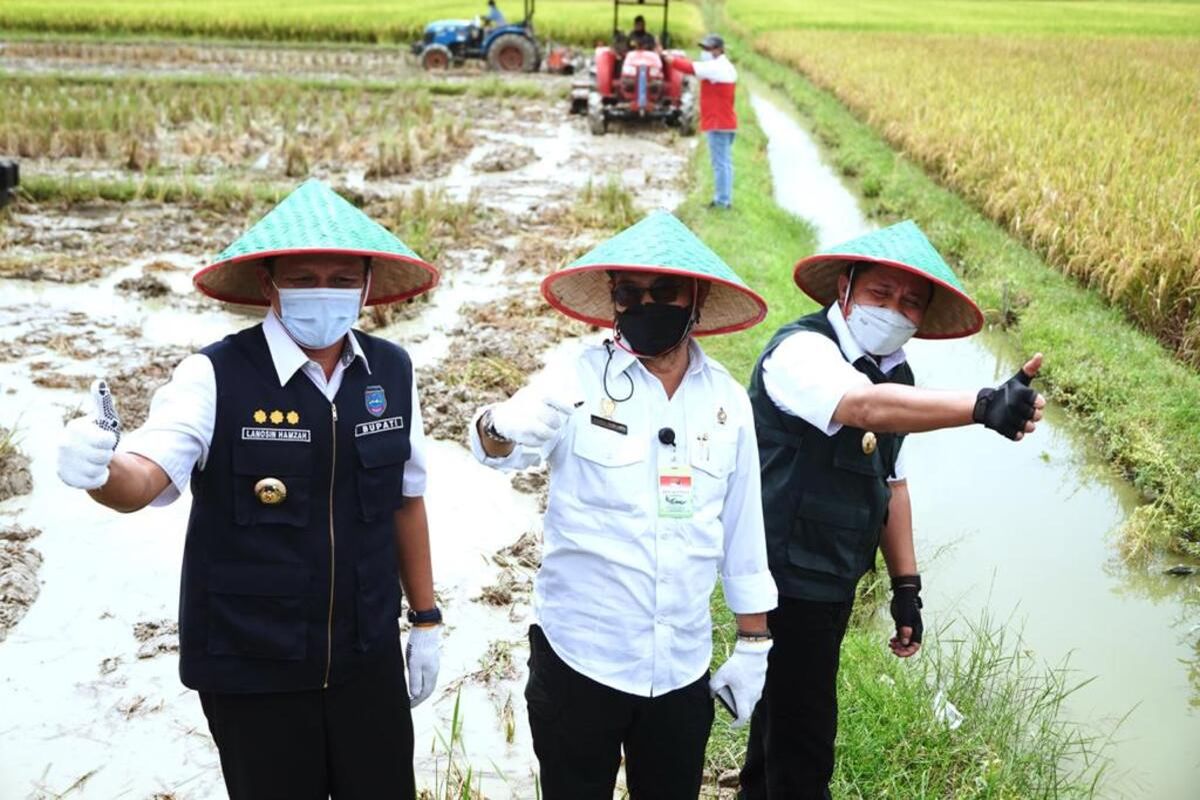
pixel 1008 407
pixel 906 605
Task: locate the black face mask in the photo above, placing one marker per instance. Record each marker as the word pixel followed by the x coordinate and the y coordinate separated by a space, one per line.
pixel 652 329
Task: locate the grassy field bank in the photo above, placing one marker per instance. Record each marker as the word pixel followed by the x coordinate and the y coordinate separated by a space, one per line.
pixel 1122 385
pixel 890 742
pixel 377 21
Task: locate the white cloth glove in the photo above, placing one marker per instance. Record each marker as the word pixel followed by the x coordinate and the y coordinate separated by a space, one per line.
pixel 533 415
pixel 87 443
pixel 741 679
pixel 421 659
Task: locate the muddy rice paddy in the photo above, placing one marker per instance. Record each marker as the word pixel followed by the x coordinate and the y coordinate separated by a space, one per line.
pixel 499 187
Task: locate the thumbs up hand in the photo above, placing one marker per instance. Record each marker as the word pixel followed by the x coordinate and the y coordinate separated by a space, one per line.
pixel 87 443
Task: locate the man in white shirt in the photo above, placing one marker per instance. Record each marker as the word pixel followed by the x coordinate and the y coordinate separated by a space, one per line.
pixel 654 491
pixel 303 447
pixel 833 398
pixel 718 116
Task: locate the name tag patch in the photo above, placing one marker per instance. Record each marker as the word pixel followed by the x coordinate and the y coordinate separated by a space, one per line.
pixel 277 434
pixel 379 426
pixel 612 425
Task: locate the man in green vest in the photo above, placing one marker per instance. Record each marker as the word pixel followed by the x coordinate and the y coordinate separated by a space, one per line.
pixel 833 398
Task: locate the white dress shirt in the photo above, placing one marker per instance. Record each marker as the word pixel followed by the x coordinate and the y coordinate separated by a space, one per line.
pixel 717 70
pixel 807 375
pixel 178 431
pixel 623 593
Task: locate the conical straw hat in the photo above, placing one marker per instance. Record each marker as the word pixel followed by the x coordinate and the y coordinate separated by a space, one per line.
pixel 660 243
pixel 315 219
pixel 951 312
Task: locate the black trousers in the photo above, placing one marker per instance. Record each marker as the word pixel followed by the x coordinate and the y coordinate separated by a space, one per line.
pixel 579 727
pixel 790 752
pixel 352 741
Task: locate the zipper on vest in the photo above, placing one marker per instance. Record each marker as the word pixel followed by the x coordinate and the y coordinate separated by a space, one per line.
pixel 332 561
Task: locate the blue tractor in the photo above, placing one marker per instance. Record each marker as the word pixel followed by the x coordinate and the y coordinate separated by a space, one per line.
pixel 507 48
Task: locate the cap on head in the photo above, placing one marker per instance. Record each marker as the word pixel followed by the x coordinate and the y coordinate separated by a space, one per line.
pixel 712 42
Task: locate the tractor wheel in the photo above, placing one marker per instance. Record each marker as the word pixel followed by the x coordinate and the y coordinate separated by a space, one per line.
pixel 435 57
pixel 597 123
pixel 687 114
pixel 512 52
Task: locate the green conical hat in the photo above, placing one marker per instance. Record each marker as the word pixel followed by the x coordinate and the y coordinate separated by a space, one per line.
pixel 660 244
pixel 315 219
pixel 951 313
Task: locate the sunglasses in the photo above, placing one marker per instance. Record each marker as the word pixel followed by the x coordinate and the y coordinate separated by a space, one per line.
pixel 664 290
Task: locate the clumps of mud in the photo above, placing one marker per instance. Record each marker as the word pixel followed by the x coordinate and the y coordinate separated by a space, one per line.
pixel 493 351
pixel 19 565
pixel 508 588
pixel 524 552
pixel 506 158
pixel 52 269
pixel 156 636
pixel 132 387
pixel 145 287
pixel 536 482
pixel 15 478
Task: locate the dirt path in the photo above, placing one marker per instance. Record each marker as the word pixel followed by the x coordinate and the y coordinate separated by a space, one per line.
pixel 88 678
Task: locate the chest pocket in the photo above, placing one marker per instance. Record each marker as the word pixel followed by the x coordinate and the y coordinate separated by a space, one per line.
pixel 289 463
pixel 381 458
pixel 849 453
pixel 612 467
pixel 713 461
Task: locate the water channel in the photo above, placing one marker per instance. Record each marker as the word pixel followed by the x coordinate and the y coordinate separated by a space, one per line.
pixel 1029 531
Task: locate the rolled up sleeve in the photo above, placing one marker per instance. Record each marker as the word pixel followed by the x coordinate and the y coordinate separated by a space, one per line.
pixel 745 576
pixel 178 431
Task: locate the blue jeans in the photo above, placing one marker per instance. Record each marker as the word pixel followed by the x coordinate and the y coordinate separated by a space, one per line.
pixel 720 149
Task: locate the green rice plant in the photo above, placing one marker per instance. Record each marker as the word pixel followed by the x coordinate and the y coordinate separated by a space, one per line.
pixel 609 206
pixel 376 21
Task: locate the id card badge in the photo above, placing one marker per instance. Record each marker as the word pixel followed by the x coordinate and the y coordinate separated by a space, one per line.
pixel 675 491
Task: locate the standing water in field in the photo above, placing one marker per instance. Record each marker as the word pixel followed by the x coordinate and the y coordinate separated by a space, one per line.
pixel 1028 531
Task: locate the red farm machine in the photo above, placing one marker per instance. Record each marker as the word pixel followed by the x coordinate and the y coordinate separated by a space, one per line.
pixel 631 79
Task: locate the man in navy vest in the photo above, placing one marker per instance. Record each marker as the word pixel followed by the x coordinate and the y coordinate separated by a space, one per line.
pixel 833 398
pixel 302 444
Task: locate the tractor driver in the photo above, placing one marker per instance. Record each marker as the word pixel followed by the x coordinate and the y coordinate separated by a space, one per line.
pixel 493 15
pixel 639 37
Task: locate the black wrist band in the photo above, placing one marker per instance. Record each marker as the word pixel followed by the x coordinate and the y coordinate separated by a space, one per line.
pixel 431 617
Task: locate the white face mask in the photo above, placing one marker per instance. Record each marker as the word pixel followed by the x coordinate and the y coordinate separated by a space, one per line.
pixel 706 55
pixel 880 331
pixel 318 318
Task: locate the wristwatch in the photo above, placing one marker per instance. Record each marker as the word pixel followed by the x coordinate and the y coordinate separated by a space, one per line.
pixel 490 429
pixel 431 617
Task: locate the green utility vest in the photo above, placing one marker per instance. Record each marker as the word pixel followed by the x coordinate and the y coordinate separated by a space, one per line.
pixel 825 500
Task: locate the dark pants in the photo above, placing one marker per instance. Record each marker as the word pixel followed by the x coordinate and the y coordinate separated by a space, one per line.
pixel 579 727
pixel 790 753
pixel 353 740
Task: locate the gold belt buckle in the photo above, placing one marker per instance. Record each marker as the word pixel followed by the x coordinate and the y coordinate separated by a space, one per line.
pixel 270 491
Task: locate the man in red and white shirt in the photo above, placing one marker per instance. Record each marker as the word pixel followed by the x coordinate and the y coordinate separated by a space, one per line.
pixel 718 82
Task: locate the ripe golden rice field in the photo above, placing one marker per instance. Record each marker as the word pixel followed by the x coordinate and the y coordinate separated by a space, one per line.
pixel 1086 148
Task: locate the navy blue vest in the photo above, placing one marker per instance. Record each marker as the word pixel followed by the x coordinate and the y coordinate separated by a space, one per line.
pixel 299 594
pixel 825 499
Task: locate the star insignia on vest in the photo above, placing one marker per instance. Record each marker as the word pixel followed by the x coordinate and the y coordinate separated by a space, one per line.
pixel 292 418
pixel 276 417
pixel 721 416
pixel 260 416
pixel 868 443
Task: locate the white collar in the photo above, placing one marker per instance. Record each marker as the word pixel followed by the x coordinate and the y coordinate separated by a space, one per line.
pixel 287 356
pixel 851 349
pixel 623 359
